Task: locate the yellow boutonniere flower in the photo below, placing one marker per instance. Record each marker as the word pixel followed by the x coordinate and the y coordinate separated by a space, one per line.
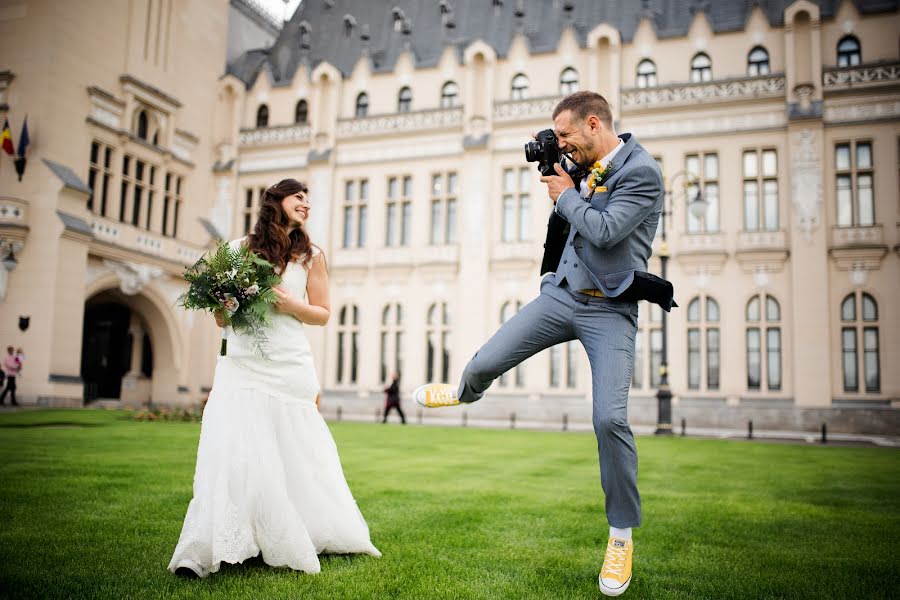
pixel 598 172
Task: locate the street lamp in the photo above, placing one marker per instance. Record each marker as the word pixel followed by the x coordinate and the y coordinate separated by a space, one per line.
pixel 697 206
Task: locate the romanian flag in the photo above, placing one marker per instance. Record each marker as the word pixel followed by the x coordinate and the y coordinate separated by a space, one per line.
pixel 6 138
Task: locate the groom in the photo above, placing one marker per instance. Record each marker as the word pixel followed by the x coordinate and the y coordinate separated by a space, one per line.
pixel 612 221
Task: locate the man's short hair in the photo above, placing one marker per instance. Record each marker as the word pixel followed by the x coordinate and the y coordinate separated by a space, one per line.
pixel 585 104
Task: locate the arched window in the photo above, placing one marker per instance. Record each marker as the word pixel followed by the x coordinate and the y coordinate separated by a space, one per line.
pixel 703 343
pixel 506 313
pixel 848 51
pixel 648 328
pixel 143 124
pixel 449 94
pixel 391 341
pixel 519 88
pixel 262 116
pixel 763 343
pixel 301 112
pixel 646 73
pixel 348 344
pixel 859 326
pixel 701 68
pixel 437 350
pixel 568 81
pixel 758 62
pixel 404 100
pixel 362 104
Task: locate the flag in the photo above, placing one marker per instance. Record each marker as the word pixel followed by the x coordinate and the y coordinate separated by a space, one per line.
pixel 6 138
pixel 24 140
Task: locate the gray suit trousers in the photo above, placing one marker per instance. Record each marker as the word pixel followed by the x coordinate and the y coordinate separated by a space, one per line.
pixel 606 328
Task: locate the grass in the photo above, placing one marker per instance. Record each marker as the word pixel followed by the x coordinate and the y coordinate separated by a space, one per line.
pixel 91 505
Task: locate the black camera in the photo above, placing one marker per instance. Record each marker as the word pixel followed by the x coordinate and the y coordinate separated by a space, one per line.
pixel 544 150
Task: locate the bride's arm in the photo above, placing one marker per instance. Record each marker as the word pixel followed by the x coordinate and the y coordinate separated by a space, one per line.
pixel 317 311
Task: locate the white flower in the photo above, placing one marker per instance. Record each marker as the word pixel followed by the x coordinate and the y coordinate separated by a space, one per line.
pixel 252 290
pixel 230 304
pixel 232 273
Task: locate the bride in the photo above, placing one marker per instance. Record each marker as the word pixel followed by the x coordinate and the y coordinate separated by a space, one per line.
pixel 268 477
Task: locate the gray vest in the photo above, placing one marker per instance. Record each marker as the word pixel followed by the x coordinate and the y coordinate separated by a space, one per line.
pixel 570 268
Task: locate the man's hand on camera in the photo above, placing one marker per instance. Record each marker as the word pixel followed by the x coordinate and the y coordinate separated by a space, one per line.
pixel 557 184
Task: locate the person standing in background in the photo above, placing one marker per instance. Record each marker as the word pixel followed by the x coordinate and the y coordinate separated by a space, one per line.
pixel 11 367
pixel 392 398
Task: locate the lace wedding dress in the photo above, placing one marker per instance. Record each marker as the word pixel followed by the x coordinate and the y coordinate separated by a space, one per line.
pixel 268 478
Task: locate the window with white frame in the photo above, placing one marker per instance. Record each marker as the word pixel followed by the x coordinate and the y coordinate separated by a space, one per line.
pixel 362 105
pixel 398 211
pixel 356 197
pixel 860 343
pixel 347 344
pixel 391 341
pixel 507 311
pixel 758 62
pixel 703 343
pixel 701 68
pixel 250 209
pixel 646 74
pixel 763 343
pixel 516 218
pixel 703 171
pixel 301 112
pixel 449 94
pixel 437 349
pixel 519 89
pixel 647 356
pixel 848 52
pixel 568 81
pixel 564 365
pixel 404 100
pixel 262 116
pixel 760 190
pixel 444 190
pixel 854 184
pixel 100 174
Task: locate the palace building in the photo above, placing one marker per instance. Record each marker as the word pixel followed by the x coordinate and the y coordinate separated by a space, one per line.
pixel 776 125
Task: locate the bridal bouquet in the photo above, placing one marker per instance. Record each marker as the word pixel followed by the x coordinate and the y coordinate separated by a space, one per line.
pixel 236 283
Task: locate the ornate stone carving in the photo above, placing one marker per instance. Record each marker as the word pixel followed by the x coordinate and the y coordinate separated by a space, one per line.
pixel 732 89
pixel 806 177
pixel 516 110
pixel 265 136
pixel 411 121
pixel 133 276
pixel 838 79
pixel 862 112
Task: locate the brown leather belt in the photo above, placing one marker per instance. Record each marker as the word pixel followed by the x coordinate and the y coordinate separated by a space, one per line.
pixel 594 293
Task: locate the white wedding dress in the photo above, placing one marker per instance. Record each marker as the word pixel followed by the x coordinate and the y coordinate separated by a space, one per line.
pixel 268 478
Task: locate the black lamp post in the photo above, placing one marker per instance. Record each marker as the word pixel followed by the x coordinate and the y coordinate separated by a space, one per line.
pixel 697 206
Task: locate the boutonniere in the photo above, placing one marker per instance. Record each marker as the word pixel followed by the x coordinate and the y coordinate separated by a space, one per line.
pixel 598 172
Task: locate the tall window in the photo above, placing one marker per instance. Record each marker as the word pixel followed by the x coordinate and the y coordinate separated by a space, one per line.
pixel 758 62
pixel 647 358
pixel 701 68
pixel 516 219
pixel 704 168
pixel 437 351
pixel 250 210
pixel 143 124
pixel 449 94
pixel 362 105
pixel 564 365
pixel 391 341
pixel 760 190
pixel 763 316
pixel 519 90
pixel 703 343
pixel 398 215
pixel 646 74
pixel 301 112
pixel 848 52
pixel 859 330
pixel 404 100
pixel 444 189
pixel 140 175
pixel 262 116
pixel 348 344
pixel 356 197
pixel 127 183
pixel 507 311
pixel 171 204
pixel 99 175
pixel 568 81
pixel 853 183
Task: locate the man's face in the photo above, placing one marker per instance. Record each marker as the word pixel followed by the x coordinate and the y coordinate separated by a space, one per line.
pixel 575 137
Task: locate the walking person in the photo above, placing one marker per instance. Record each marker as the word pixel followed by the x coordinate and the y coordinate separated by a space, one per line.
pixel 268 478
pixel 11 367
pixel 611 223
pixel 392 399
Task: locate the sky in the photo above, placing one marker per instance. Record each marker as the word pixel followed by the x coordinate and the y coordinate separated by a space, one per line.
pixel 276 7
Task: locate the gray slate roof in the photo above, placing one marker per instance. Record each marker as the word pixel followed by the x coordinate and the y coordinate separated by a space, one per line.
pixel 493 21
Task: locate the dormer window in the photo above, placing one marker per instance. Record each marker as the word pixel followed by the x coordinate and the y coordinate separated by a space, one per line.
pixel 262 116
pixel 848 53
pixel 362 104
pixel 701 68
pixel 349 24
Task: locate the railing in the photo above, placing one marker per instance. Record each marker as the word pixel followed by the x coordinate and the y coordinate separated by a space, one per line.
pixel 129 237
pixel 268 136
pixel 857 237
pixel 749 241
pixel 441 118
pixel 865 76
pixel 516 110
pixel 745 88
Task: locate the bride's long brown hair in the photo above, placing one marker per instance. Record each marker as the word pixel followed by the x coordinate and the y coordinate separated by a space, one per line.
pixel 272 237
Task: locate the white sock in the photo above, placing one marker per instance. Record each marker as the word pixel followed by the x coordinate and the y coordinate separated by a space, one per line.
pixel 622 534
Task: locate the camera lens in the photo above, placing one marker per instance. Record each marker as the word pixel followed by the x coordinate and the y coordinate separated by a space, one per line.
pixel 533 151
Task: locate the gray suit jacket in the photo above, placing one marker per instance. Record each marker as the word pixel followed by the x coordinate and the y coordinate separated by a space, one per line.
pixel 612 233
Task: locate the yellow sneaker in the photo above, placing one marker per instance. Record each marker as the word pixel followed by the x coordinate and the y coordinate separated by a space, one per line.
pixel 434 395
pixel 616 572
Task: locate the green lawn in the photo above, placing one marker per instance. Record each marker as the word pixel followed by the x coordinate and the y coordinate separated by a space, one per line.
pixel 91 505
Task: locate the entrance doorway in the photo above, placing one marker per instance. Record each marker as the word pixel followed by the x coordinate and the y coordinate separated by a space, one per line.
pixel 105 350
